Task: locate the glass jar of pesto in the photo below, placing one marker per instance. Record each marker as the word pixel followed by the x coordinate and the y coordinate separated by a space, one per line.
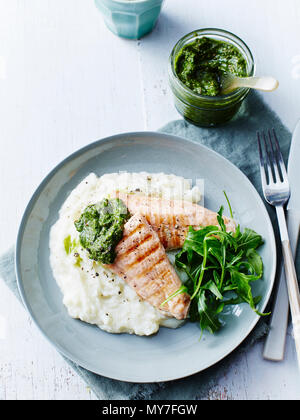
pixel 195 68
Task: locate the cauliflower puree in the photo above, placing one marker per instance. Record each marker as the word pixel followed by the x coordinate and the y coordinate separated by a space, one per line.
pixel 91 292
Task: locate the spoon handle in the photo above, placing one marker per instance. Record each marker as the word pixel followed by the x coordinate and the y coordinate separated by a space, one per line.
pixel 266 84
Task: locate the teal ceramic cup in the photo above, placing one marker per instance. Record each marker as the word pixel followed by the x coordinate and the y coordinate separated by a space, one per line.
pixel 130 18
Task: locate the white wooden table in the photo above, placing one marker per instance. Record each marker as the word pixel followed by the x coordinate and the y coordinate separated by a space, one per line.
pixel 65 81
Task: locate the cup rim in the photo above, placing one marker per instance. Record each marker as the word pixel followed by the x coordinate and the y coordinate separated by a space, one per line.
pixel 220 32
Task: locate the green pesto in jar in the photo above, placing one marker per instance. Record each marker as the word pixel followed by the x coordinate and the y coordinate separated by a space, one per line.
pixel 201 64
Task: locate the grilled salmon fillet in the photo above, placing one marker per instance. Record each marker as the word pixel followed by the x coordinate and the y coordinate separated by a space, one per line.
pixel 171 218
pixel 142 262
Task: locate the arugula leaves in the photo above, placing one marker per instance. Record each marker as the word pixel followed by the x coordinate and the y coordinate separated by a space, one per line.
pixel 216 263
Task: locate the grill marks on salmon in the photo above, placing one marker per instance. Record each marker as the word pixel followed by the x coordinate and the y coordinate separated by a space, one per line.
pixel 142 262
pixel 171 218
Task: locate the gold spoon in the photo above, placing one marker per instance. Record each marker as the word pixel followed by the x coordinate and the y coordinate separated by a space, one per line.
pixel 229 82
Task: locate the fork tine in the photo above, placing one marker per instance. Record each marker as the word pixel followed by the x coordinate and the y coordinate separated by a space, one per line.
pixel 268 161
pixel 279 157
pixel 262 163
pixel 276 189
pixel 274 160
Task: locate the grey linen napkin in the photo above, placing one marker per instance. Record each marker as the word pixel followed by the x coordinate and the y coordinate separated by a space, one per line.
pixel 236 141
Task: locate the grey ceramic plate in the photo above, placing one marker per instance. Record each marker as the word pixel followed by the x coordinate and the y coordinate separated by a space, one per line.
pixel 170 354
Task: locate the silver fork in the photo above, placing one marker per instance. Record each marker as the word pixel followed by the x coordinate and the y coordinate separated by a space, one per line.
pixel 276 191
